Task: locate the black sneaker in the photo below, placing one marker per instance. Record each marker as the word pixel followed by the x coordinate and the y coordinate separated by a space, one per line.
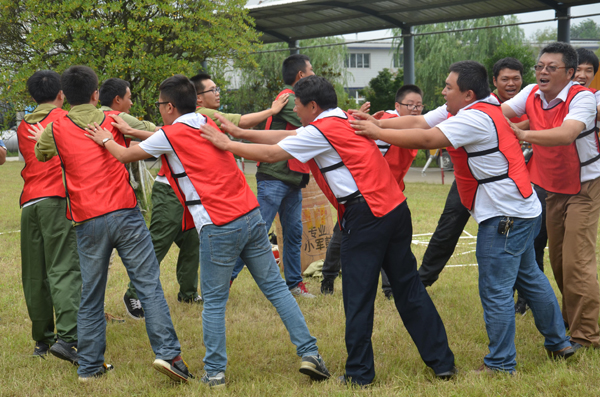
pixel 40 350
pixel 388 294
pixel 65 351
pixel 196 299
pixel 214 382
pixel 314 366
pixel 134 308
pixel 175 369
pixel 448 374
pixel 105 368
pixel 521 307
pixel 327 286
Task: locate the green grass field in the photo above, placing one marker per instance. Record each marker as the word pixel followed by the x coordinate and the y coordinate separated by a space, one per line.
pixel 262 360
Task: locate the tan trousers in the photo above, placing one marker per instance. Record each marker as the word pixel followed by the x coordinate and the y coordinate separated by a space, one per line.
pixel 572 223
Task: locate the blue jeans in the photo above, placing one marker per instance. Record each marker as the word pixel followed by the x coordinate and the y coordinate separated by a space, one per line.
pixel 220 246
pixel 507 260
pixel 126 231
pixel 273 197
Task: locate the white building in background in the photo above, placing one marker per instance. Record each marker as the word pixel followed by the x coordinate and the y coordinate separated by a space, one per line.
pixel 365 60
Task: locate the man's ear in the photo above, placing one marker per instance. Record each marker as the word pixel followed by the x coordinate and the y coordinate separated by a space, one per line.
pixel 495 82
pixel 198 100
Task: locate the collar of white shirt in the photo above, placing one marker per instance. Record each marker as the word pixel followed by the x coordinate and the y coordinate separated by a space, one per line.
pixel 333 112
pixel 561 97
pixel 489 99
pixel 194 120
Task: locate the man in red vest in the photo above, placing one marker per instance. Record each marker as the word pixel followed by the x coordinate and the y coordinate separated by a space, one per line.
pixel 562 122
pixel 585 73
pixel 103 207
pixel 409 102
pixel 220 205
pixel 279 185
pixel 494 186
pixel 372 213
pixel 49 260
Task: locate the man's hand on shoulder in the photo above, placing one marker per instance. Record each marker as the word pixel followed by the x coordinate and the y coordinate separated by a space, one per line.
pixel 215 136
pixel 365 128
pixel 279 103
pixel 228 127
pixel 122 125
pixel 36 131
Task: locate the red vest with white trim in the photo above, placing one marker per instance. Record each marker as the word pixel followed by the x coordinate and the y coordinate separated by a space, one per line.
pixel 363 159
pixel 214 173
pixel 399 159
pixel 96 182
pixel 557 169
pixel 508 145
pixel 514 119
pixel 293 164
pixel 42 179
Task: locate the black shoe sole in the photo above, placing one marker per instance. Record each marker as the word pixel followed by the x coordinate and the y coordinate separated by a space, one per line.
pixel 164 367
pixel 59 352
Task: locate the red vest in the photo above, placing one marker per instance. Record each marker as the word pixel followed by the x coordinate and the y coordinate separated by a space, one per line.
pixel 557 169
pixel 42 179
pixel 514 119
pixel 214 173
pixel 399 159
pixel 361 156
pixel 293 164
pixel 96 182
pixel 508 145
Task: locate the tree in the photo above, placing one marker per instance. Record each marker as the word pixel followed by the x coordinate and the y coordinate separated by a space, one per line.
pixel 434 53
pixel 259 76
pixel 381 91
pixel 141 41
pixel 586 29
pixel 545 35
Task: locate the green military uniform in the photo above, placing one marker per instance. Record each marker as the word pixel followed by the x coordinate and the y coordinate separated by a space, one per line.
pixel 132 121
pixel 49 263
pixel 234 118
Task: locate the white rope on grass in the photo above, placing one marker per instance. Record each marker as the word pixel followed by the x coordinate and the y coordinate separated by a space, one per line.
pixel 16 231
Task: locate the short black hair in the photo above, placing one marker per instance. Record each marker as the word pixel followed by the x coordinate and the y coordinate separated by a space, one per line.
pixel 111 89
pixel 569 55
pixel 471 76
pixel 292 65
pixel 198 81
pixel 587 56
pixel 407 89
pixel 79 84
pixel 180 92
pixel 44 86
pixel 507 63
pixel 318 89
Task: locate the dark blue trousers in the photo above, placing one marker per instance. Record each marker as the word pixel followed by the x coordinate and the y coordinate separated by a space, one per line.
pixel 368 245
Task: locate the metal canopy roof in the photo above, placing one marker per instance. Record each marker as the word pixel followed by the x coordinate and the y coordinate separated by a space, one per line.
pixel 304 19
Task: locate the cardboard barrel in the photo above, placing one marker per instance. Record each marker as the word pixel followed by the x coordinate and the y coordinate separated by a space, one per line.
pixel 317 226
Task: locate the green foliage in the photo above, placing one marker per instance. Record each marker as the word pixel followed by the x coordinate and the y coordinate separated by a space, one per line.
pixel 141 41
pixel 586 29
pixel 518 51
pixel 381 91
pixel 434 53
pixel 545 35
pixel 261 78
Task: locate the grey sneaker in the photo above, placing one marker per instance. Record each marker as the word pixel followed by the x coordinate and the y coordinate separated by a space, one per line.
pixel 65 351
pixel 175 369
pixel 214 382
pixel 41 350
pixel 300 290
pixel 314 366
pixel 134 307
pixel 196 299
pixel 105 368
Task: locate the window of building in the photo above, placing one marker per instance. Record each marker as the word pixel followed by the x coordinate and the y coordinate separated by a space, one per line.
pixel 358 61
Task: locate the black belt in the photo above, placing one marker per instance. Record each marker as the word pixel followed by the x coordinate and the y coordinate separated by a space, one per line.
pixel 356 200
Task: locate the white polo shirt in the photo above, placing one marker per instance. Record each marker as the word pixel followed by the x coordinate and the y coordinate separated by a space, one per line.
pixel 309 143
pixel 158 144
pixel 582 108
pixel 475 131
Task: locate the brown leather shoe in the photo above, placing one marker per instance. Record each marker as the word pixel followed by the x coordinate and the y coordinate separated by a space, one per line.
pixel 562 353
pixel 484 369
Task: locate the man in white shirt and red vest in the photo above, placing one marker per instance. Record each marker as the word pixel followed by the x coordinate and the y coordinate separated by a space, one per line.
pixel 220 205
pixel 49 260
pixel 409 102
pixel 494 186
pixel 585 73
pixel 103 207
pixel 372 213
pixel 562 122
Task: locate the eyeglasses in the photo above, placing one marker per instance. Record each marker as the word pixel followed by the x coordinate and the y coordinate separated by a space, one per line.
pixel 214 90
pixel 549 68
pixel 157 104
pixel 411 106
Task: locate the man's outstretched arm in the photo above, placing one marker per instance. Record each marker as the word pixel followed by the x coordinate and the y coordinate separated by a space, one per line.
pixel 104 138
pixel 431 138
pixel 269 137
